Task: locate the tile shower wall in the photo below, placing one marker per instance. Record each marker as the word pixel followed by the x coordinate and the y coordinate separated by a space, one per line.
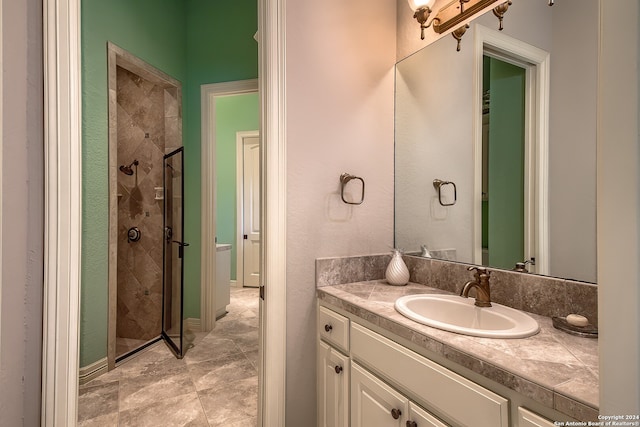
pixel 148 121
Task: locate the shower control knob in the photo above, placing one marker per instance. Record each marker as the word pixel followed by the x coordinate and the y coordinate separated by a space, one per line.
pixel 133 234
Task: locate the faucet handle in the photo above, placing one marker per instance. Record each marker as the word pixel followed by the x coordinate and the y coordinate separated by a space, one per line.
pixel 479 270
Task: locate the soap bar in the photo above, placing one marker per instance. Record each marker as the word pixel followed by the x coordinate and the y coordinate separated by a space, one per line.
pixel 577 320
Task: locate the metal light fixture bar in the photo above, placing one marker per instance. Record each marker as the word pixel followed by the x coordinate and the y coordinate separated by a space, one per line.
pixel 456 12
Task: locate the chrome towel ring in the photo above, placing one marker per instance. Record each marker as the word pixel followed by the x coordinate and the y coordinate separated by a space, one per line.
pixel 344 179
pixel 438 184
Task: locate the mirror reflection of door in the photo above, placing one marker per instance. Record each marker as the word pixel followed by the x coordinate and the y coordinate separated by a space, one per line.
pixel 503 154
pixel 249 253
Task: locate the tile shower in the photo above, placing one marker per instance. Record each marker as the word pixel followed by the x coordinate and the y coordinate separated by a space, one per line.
pixel 144 124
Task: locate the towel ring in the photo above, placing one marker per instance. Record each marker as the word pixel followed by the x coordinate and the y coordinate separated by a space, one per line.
pixel 346 177
pixel 438 184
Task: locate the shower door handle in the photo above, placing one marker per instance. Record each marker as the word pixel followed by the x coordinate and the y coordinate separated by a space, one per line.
pixel 181 246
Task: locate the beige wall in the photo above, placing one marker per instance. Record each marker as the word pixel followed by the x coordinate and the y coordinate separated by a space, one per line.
pixel 22 213
pixel 619 208
pixel 340 60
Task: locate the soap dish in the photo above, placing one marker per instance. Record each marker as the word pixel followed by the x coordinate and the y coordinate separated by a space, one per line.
pixel 588 331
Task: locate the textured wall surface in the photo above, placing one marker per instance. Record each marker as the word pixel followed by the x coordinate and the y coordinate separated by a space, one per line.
pixel 22 216
pixel 339 119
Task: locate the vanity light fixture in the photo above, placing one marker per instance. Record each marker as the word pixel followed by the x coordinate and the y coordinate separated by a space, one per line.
pixel 454 13
pixel 422 10
pixel 500 10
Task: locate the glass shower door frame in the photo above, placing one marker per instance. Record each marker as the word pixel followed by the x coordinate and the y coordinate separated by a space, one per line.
pixel 170 239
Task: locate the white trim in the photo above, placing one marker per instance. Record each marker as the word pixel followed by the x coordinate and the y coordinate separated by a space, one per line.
pixel 537 128
pixel 272 72
pixel 1 167
pixel 92 371
pixel 208 95
pixel 240 137
pixel 63 186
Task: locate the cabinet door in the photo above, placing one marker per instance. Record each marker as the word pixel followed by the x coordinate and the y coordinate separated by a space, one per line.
pixel 374 403
pixel 418 417
pixel 529 419
pixel 333 387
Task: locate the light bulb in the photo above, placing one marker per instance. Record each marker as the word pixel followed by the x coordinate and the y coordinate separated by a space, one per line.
pixel 417 4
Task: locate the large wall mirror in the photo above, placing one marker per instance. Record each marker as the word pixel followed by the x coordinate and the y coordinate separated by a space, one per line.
pixel 510 120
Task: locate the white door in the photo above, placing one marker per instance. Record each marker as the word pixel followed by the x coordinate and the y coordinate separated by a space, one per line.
pixel 250 232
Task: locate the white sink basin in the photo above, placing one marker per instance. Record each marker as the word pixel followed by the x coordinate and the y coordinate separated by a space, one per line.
pixel 458 314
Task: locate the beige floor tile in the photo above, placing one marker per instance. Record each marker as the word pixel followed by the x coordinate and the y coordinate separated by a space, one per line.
pixel 184 410
pixel 214 384
pixel 212 372
pixel 232 402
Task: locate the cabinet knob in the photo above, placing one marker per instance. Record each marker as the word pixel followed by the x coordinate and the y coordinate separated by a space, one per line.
pixel 412 424
pixel 338 369
pixel 328 327
pixel 395 413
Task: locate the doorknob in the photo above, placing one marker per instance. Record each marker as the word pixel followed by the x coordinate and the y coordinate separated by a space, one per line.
pixel 181 246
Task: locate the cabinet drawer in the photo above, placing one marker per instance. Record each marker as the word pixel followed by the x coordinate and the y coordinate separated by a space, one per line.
pixel 527 418
pixel 334 328
pixel 442 390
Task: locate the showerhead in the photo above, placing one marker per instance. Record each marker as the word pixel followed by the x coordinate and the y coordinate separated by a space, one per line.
pixel 127 169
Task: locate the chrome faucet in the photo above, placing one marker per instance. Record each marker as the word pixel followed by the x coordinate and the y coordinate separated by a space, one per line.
pixel 481 283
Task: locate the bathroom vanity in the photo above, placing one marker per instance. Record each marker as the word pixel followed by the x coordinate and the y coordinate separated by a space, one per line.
pixel 378 368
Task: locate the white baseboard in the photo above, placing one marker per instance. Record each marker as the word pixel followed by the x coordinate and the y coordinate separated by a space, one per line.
pixel 192 324
pixel 234 284
pixel 94 370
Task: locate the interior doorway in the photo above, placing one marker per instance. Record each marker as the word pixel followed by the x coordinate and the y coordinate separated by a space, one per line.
pixel 227 108
pixel 528 67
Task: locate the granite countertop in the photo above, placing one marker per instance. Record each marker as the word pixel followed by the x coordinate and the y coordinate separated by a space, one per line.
pixel 556 369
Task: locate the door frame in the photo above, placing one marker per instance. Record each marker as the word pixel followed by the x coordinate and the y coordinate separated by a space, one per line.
pixel 208 95
pixel 240 137
pixel 536 63
pixel 63 211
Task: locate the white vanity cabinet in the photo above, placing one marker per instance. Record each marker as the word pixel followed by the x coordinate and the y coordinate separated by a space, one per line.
pixel 448 394
pixel 333 369
pixel 367 380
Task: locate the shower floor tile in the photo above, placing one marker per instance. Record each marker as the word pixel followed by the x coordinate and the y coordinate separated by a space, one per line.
pixel 215 383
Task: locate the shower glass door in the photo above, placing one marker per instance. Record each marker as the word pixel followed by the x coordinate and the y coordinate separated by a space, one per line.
pixel 172 279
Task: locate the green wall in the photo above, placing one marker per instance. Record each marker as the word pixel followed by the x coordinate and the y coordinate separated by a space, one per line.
pixel 233 114
pixel 196 42
pixel 506 165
